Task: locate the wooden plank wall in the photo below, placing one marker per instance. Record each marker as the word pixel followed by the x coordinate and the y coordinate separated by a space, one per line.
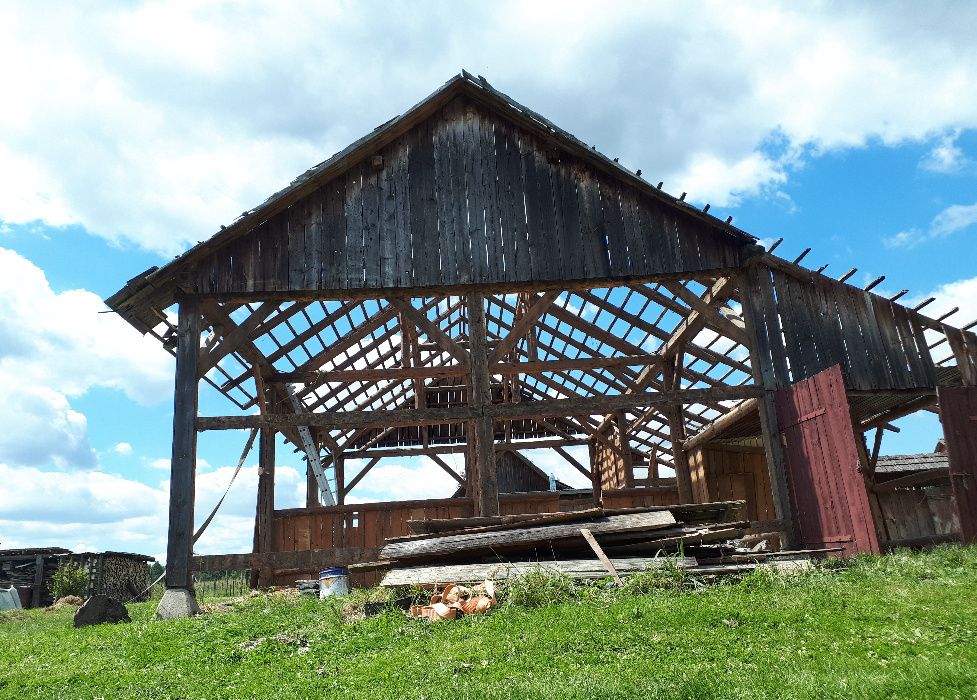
pixel 878 343
pixel 958 412
pixel 609 463
pixel 465 197
pixel 728 473
pixel 913 515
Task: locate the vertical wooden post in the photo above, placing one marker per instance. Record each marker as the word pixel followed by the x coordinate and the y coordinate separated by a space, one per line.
pixel 677 434
pixel 183 464
pixel 596 484
pixel 624 444
pixel 340 467
pixel 486 496
pixel 311 487
pixel 266 497
pixel 769 370
pixel 38 581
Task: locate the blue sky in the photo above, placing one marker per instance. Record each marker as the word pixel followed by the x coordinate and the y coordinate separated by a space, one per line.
pixel 132 131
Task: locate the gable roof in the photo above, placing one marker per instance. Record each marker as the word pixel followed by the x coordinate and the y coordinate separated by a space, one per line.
pixel 143 298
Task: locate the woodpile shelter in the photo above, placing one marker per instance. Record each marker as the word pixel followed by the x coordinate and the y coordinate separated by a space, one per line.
pixel 121 575
pixel 469 280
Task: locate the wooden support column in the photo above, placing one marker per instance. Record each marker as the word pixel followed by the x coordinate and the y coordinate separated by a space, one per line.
pixel 183 464
pixel 340 470
pixel 770 371
pixel 677 433
pixel 266 497
pixel 483 477
pixel 624 445
pixel 311 488
pixel 38 581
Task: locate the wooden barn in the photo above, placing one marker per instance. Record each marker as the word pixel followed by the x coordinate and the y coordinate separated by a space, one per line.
pixel 470 280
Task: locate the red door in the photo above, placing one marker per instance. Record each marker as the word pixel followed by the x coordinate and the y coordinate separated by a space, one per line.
pixel 827 491
pixel 958 411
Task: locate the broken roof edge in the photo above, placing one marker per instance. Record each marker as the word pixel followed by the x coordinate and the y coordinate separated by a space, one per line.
pixel 465 83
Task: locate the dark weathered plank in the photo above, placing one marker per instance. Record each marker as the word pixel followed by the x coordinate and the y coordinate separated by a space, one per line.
pixel 353 207
pixel 333 261
pixel 423 209
pixel 475 195
pixel 371 226
pixel 610 202
pixel 595 258
pixel 495 267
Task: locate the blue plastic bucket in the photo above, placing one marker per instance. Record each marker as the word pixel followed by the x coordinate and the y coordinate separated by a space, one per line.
pixel 333 581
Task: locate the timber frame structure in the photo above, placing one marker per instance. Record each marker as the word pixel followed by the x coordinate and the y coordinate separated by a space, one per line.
pixel 469 279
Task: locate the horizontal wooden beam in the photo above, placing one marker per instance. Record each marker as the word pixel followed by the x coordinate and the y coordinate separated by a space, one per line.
pixel 716 428
pixel 424 372
pixel 458 448
pixel 308 559
pixel 456 414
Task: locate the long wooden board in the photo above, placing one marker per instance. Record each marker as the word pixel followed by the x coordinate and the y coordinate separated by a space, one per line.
pixel 577 568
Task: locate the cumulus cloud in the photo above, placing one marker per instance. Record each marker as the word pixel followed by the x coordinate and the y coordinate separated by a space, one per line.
pixel 122 448
pixel 97 510
pixel 413 479
pixel 55 346
pixel 946 156
pixel 961 294
pixel 949 221
pixel 157 142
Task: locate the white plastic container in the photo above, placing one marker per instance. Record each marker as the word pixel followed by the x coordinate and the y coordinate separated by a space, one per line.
pixel 9 598
pixel 333 581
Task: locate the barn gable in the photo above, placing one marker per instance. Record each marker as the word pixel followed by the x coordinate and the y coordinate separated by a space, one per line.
pixel 466 187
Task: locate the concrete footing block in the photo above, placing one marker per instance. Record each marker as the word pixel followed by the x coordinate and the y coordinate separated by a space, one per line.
pixel 177 602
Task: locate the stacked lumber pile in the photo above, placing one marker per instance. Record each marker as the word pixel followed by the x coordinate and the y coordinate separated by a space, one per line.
pixel 588 544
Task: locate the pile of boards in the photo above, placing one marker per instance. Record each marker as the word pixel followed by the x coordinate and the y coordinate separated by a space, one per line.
pixel 588 544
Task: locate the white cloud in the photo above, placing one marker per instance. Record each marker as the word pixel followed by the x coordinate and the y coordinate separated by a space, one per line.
pixel 110 123
pixel 417 479
pixel 57 346
pixel 90 509
pixel 946 156
pixel 954 218
pixel 122 448
pixel 961 294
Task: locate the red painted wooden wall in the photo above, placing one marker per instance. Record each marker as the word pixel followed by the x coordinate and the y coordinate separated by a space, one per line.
pixel 828 493
pixel 958 410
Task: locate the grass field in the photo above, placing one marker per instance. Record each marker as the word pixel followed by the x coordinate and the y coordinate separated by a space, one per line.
pixel 898 626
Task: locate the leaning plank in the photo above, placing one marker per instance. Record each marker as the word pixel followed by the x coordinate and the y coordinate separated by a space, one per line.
pixel 577 568
pixel 607 563
pixel 492 541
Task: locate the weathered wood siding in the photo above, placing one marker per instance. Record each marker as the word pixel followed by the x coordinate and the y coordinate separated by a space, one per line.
pixel 916 514
pixel 878 343
pixel 610 463
pixel 464 197
pixel 958 411
pixel 731 474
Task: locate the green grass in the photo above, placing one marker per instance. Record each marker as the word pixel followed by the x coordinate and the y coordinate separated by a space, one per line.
pixel 899 626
